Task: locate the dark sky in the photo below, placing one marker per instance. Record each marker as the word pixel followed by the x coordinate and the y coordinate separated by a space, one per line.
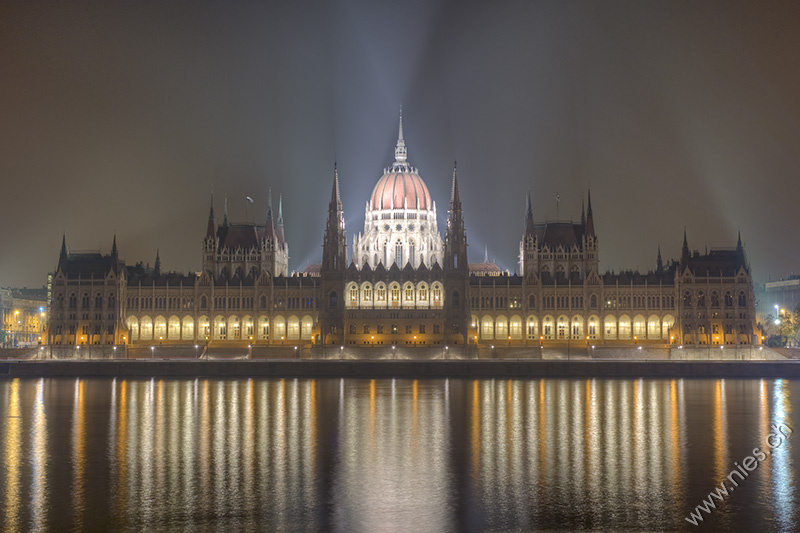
pixel 122 116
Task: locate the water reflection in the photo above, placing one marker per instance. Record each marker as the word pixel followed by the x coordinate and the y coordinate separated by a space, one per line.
pixel 390 455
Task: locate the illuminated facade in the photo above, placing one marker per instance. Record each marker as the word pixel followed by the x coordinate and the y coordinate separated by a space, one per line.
pixel 403 284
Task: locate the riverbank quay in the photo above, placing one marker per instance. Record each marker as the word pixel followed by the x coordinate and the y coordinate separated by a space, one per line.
pixel 400 369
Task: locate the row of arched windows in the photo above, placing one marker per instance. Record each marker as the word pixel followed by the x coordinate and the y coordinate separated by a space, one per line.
pixel 72 301
pixel 576 327
pixel 220 328
pixel 394 295
pixel 713 300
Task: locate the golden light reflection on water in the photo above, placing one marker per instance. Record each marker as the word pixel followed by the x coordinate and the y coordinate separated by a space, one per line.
pixel 38 451
pixel 78 454
pixel 12 446
pixel 383 455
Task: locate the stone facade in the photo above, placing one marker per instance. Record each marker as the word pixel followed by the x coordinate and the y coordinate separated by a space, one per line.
pixel 402 285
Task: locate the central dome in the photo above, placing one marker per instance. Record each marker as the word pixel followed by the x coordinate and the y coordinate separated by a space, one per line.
pixel 400 188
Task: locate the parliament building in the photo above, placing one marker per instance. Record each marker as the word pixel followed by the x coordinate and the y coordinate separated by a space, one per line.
pixel 402 283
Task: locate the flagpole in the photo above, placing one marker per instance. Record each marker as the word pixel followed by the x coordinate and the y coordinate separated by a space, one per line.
pixel 245 210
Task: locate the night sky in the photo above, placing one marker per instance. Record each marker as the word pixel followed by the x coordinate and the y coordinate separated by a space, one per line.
pixel 122 116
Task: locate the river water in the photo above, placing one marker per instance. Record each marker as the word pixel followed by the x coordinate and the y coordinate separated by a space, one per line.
pixel 397 455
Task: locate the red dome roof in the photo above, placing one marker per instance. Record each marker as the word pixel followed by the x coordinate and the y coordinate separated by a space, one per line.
pixel 404 188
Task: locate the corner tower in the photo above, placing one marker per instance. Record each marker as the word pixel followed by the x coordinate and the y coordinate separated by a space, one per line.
pixel 456 269
pixel 334 263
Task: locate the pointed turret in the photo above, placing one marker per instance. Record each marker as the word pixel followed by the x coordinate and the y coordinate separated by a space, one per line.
pixel 63 255
pixel 589 217
pixel 279 231
pixel 685 250
pixel 455 238
pixel 211 229
pixel 529 229
pixel 157 267
pixel 455 195
pixel 114 255
pixel 659 262
pixel 583 214
pixel 740 251
pixel 334 247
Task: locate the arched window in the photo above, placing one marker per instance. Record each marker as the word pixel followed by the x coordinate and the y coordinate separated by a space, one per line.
pixel 398 254
pixel 411 250
pixel 85 300
pixel 203 302
pixel 687 299
pixel 714 299
pixel 742 299
pixel 701 299
pixel 112 301
pixel 73 301
pixel 593 301
pixel 352 329
pixel 728 299
pixel 263 302
pixel 456 299
pixel 98 300
pixel 333 299
pixel 531 301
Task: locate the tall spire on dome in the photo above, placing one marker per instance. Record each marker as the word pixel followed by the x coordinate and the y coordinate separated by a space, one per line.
pixel 400 153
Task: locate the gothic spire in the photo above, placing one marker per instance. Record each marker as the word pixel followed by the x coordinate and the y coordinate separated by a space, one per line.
pixel 529 215
pixel 589 218
pixel 400 153
pixel 279 232
pixel 225 212
pixel 157 267
pixel 583 213
pixel 114 252
pixel 685 249
pixel 336 200
pixel 455 196
pixel 659 262
pixel 62 257
pixel 211 228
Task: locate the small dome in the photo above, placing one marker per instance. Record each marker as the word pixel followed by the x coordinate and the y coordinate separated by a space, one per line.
pixel 398 189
